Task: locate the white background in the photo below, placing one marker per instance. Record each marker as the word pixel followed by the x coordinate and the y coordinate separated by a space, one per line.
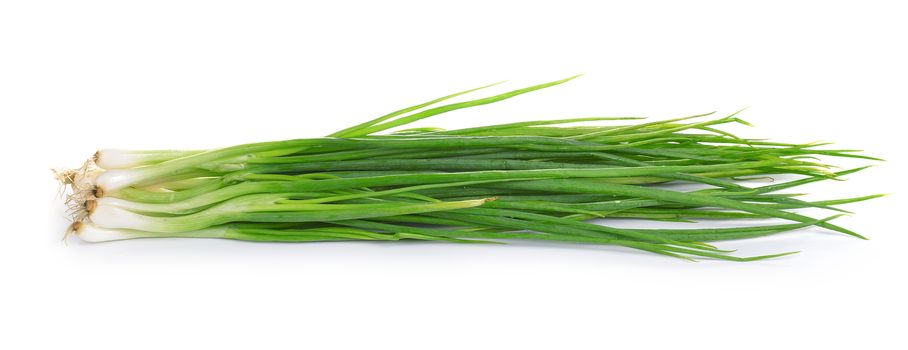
pixel 80 75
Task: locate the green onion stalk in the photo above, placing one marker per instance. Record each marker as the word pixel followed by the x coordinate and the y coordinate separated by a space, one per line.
pixel 560 180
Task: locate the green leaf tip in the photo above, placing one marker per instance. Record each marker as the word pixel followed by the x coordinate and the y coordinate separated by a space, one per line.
pixel 770 256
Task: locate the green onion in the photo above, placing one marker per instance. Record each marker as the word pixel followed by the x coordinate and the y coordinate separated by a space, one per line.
pixel 547 180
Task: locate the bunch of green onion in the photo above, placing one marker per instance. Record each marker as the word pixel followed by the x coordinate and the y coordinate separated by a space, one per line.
pixel 535 180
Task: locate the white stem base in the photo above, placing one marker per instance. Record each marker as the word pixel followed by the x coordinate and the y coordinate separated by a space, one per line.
pixel 92 233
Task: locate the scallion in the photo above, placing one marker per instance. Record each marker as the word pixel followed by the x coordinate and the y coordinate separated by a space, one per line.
pixel 536 180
